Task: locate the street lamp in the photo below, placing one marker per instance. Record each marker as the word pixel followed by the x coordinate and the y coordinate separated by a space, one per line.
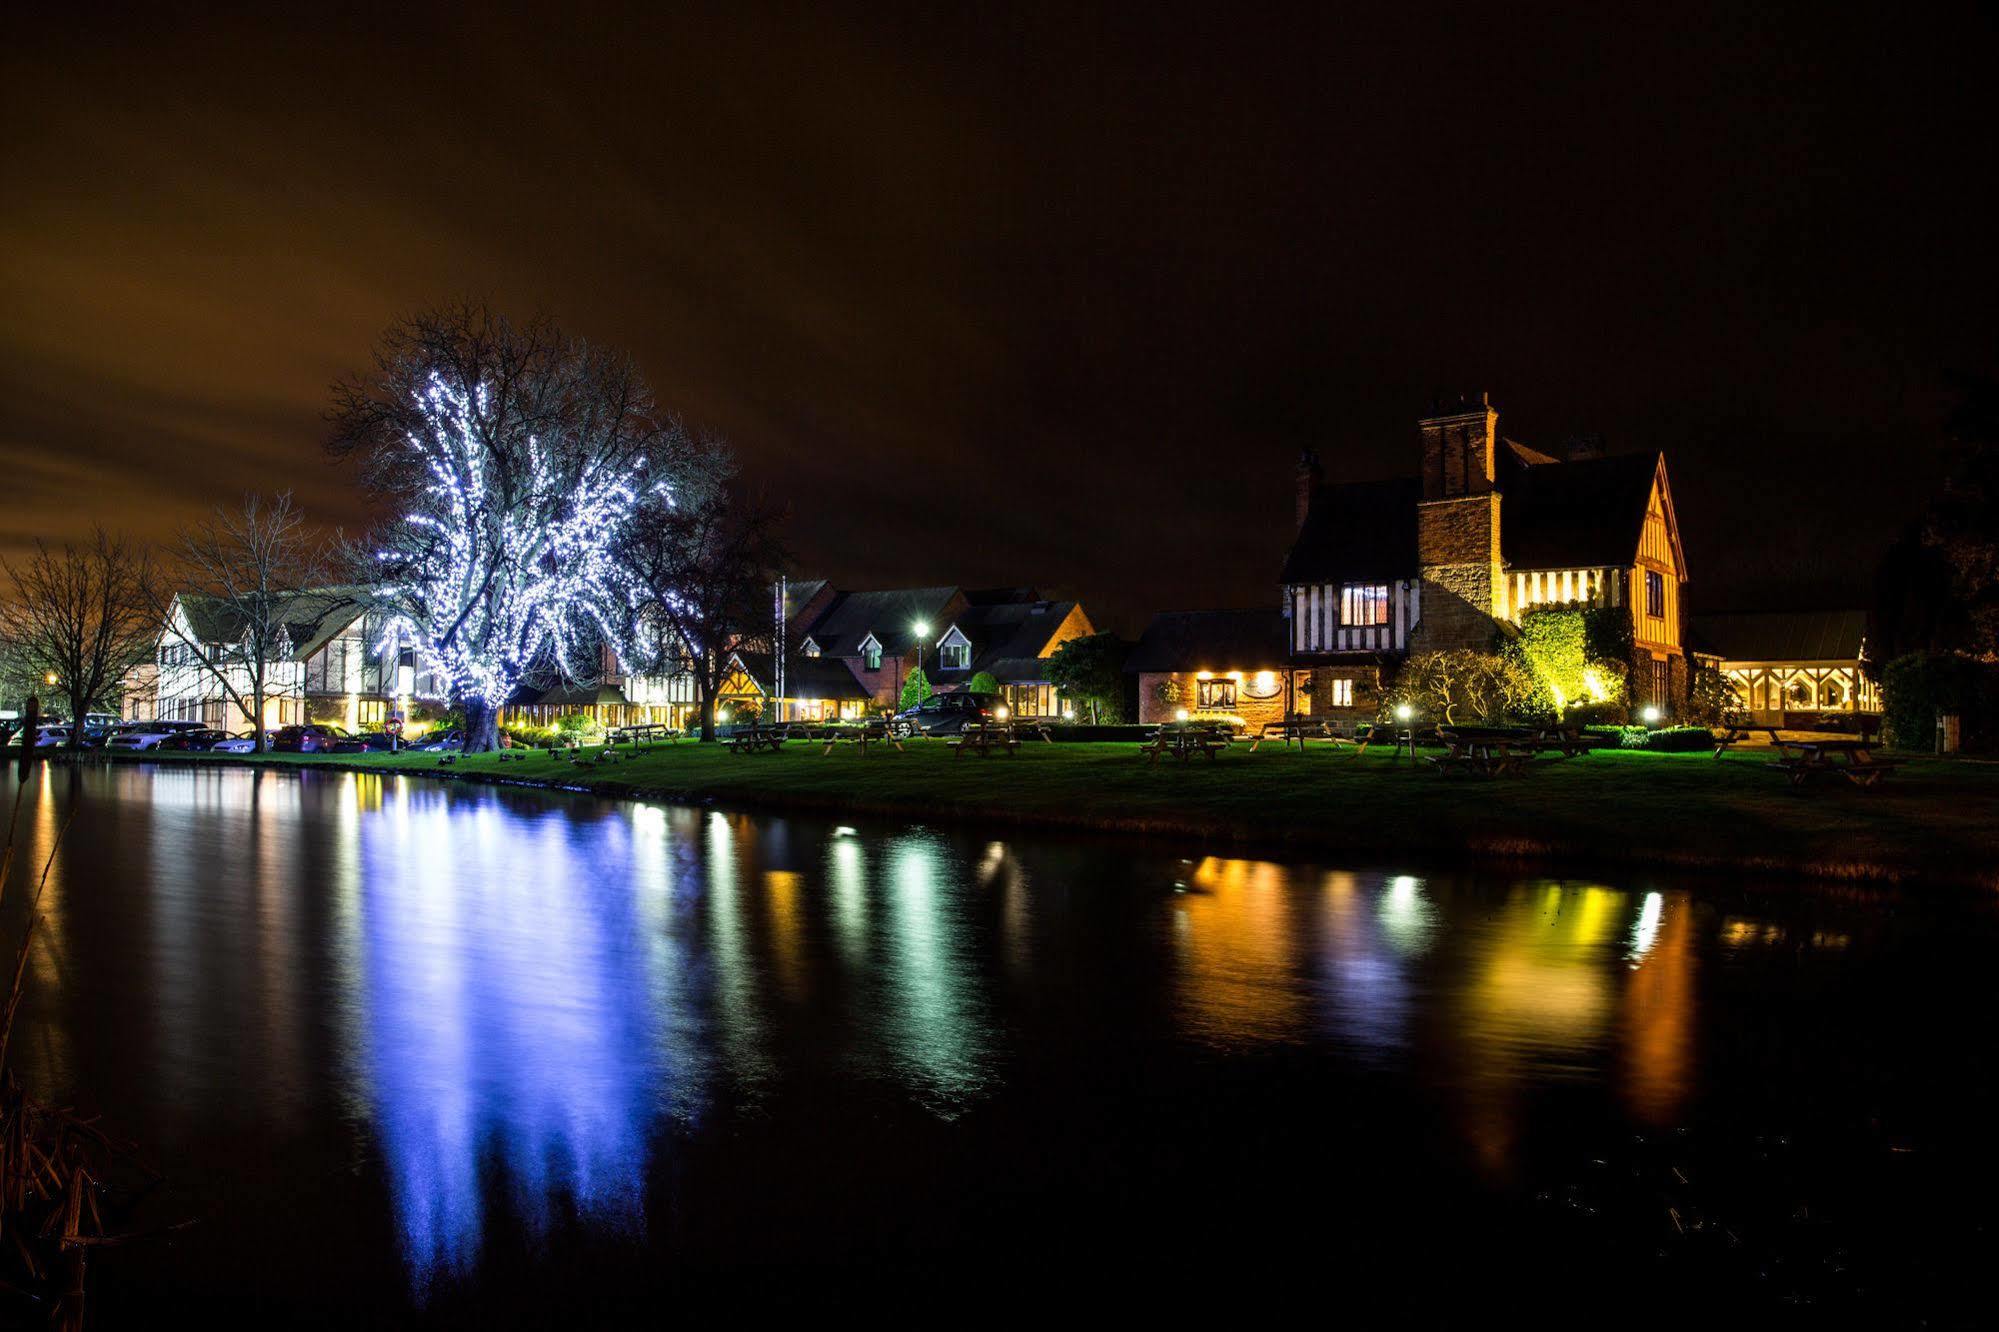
pixel 922 631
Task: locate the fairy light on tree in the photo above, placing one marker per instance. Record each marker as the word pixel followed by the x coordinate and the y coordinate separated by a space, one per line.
pixel 518 458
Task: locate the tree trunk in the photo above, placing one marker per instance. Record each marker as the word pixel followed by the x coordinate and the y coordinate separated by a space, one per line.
pixel 31 725
pixel 257 714
pixel 482 726
pixel 707 714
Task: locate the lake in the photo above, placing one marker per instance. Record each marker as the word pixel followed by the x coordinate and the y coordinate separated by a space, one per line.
pixel 442 1054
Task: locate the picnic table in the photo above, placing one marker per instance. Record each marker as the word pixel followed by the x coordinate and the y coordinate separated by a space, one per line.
pixel 757 739
pixel 1399 738
pixel 1567 740
pixel 643 736
pixel 1485 751
pixel 1300 729
pixel 1735 732
pixel 1854 760
pixel 861 734
pixel 1183 740
pixel 983 737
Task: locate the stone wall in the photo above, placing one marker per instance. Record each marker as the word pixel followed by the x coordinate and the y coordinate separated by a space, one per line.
pixel 1457 543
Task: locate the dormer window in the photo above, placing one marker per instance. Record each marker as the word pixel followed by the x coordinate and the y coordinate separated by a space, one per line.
pixel 871 653
pixel 955 656
pixel 808 648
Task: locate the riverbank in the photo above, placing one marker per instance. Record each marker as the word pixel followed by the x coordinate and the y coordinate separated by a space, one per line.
pixel 1935 821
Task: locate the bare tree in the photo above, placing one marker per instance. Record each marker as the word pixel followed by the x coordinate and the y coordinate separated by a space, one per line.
pixel 517 456
pixel 702 575
pixel 251 576
pixel 83 615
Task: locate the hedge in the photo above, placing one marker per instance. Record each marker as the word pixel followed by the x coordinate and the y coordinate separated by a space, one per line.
pixel 1916 687
pixel 1664 740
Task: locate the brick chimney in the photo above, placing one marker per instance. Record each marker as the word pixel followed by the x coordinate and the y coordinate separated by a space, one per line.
pixel 1310 477
pixel 1463 589
pixel 1459 442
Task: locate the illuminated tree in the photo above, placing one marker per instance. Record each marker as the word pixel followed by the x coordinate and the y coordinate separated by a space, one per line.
pixel 518 457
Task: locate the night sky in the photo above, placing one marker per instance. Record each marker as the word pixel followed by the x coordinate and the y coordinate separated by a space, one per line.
pixel 1005 295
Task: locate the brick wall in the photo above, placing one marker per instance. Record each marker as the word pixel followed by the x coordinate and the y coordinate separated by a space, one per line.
pixel 1367 692
pixel 1254 711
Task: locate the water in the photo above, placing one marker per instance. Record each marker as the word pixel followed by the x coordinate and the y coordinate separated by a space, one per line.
pixel 430 1053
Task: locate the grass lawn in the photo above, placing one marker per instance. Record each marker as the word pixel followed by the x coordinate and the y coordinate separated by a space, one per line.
pixel 1934 820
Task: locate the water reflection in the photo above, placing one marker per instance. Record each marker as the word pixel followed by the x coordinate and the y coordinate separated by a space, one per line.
pixel 514 1002
pixel 506 1020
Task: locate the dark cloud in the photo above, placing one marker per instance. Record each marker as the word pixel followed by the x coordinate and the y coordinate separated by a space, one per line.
pixel 1006 294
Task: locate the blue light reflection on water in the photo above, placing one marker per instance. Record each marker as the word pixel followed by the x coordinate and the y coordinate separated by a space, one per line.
pixel 508 1019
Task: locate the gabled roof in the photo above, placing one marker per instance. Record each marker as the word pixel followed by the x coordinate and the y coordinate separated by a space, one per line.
pixel 888 615
pixel 1014 629
pixel 1357 531
pixel 1837 635
pixel 807 677
pixel 565 694
pixel 1230 640
pixel 311 618
pixel 1575 515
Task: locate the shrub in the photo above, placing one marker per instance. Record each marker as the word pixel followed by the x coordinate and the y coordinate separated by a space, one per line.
pixel 982 683
pixel 915 688
pixel 1916 687
pixel 1576 659
pixel 1463 686
pixel 1664 740
pixel 1711 699
pixel 572 727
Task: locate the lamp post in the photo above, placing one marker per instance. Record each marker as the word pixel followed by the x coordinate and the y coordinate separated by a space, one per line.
pixel 1407 734
pixel 922 631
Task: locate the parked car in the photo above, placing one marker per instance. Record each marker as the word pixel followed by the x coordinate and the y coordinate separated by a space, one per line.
pixel 943 714
pixel 440 741
pixel 378 741
pixel 195 742
pixel 244 742
pixel 137 736
pixel 51 735
pixel 316 739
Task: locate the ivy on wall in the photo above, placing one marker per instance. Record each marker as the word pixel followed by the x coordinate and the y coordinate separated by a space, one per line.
pixel 1577 657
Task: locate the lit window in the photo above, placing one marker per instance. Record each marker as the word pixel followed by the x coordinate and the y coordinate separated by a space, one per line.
pixel 955 656
pixel 871 657
pixel 811 649
pixel 1364 604
pixel 1342 693
pixel 1215 693
pixel 1655 594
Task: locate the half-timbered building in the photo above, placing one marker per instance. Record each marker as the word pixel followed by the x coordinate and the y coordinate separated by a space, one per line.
pixel 1487 531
